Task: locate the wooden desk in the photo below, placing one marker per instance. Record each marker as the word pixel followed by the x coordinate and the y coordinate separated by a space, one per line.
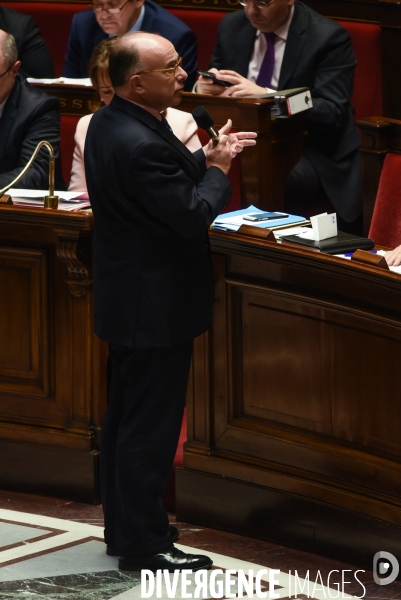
pixel 52 367
pixel 294 410
pixel 264 167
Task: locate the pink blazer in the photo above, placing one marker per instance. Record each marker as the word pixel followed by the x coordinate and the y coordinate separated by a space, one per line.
pixel 182 124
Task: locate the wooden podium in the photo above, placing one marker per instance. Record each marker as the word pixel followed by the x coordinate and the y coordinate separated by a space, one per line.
pixel 294 409
pixel 52 366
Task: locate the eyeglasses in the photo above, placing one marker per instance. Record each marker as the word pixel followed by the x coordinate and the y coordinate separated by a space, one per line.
pixel 110 11
pixel 258 3
pixel 169 69
pixel 9 68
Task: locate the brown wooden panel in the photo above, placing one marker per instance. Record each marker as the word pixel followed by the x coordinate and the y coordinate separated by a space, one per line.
pixel 302 403
pixel 277 380
pixel 24 329
pixel 52 366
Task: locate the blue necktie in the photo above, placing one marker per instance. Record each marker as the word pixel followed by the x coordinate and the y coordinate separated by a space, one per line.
pixel 266 70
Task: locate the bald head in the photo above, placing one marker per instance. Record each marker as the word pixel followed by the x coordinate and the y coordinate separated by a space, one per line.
pixel 9 64
pixel 8 47
pixel 146 69
pixel 133 53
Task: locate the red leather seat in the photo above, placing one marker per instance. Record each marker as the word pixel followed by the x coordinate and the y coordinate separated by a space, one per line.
pixel 385 228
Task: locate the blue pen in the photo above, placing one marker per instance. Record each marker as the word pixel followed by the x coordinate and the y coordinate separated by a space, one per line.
pixel 351 253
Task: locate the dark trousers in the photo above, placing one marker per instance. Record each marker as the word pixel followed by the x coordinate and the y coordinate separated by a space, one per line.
pixel 146 400
pixel 305 196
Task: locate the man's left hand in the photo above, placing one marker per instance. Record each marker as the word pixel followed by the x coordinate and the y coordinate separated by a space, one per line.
pixel 393 258
pixel 238 140
pixel 241 86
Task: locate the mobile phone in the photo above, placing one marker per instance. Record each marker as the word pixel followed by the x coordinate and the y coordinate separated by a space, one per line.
pixel 210 75
pixel 265 216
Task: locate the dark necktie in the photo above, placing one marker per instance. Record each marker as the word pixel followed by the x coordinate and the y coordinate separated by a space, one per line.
pixel 166 123
pixel 266 70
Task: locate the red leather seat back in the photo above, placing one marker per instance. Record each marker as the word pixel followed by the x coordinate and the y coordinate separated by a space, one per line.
pixel 385 228
pixel 367 95
pixel 204 24
pixel 54 21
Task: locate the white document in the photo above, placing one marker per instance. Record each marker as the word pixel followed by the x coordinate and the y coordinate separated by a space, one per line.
pixel 65 80
pixel 324 226
pixel 299 102
pixel 304 231
pixel 39 194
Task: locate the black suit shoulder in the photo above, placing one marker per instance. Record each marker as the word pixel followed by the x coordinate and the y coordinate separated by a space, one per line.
pixel 235 41
pixel 29 117
pixel 33 52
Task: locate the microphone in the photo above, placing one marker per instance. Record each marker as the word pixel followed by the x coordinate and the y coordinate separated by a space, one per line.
pixel 204 120
pixel 50 201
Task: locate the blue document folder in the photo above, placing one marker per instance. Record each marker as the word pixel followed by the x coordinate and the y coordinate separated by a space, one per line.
pixel 233 220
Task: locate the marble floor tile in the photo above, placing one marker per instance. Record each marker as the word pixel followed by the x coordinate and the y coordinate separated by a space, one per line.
pixel 53 549
pixel 14 534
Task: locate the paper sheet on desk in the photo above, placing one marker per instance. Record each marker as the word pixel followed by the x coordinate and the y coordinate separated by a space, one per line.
pixel 65 80
pixel 291 231
pixel 38 195
pixel 71 201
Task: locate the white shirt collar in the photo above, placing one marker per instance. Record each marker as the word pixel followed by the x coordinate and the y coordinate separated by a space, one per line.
pixel 282 32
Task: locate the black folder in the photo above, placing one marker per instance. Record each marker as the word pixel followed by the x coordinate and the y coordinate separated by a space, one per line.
pixel 341 243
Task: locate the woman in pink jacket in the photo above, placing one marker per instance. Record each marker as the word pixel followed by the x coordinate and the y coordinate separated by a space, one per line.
pixel 182 123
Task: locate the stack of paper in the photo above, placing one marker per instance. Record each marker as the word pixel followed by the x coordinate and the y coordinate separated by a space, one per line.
pixel 232 221
pixel 71 201
pixel 65 80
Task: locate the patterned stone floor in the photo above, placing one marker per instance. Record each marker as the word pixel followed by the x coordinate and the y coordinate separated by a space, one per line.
pixel 53 549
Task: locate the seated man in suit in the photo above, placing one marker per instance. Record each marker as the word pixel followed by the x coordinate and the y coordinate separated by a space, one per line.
pixel 283 44
pixel 33 53
pixel 115 17
pixel 27 116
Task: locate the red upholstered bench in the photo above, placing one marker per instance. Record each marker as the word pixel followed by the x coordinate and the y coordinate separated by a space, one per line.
pixel 54 22
pixel 366 41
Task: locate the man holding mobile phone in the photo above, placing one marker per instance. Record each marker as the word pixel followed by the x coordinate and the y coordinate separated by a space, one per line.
pixel 282 44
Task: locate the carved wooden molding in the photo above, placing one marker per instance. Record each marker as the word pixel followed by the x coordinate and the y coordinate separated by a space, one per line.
pixel 67 249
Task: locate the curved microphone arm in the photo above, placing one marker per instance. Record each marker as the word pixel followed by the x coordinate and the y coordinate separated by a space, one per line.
pixel 50 201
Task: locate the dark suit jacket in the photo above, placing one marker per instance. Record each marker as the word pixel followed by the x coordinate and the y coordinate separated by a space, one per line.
pixel 86 34
pixel 33 53
pixel 153 201
pixel 318 55
pixel 29 116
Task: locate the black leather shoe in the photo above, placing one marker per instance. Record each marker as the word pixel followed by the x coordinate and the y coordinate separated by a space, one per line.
pixel 172 531
pixel 171 559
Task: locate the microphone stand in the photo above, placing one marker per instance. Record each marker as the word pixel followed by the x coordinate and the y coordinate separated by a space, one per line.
pixel 50 201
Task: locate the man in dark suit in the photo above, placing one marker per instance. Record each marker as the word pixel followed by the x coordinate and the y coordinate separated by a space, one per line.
pixel 90 27
pixel 308 50
pixel 28 116
pixel 33 53
pixel 153 202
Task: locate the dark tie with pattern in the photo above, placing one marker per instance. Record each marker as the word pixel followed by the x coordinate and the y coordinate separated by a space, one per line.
pixel 266 70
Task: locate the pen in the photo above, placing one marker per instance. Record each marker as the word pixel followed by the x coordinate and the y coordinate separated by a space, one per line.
pixel 349 254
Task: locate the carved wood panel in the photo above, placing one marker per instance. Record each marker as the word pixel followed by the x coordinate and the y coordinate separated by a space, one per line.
pixel 24 351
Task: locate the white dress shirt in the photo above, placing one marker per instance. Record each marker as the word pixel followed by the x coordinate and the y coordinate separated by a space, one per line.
pixel 259 51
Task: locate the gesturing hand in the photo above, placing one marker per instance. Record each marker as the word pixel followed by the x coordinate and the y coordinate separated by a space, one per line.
pixel 239 139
